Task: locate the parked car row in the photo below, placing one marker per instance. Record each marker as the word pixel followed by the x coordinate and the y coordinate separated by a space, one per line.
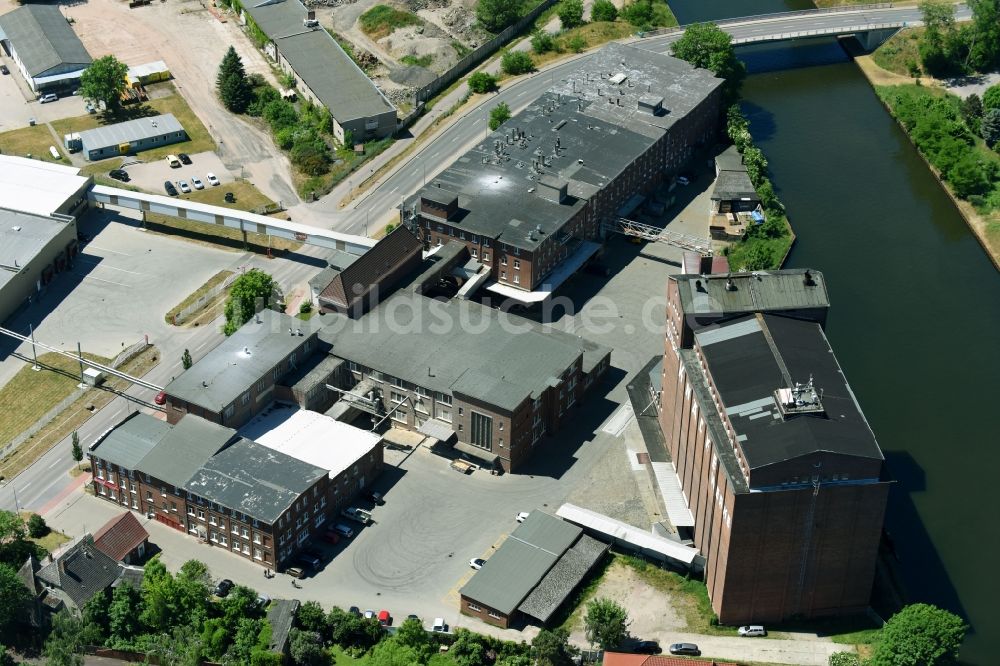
pixel 184 187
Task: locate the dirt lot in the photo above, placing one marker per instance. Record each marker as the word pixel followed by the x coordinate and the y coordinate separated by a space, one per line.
pixel 185 35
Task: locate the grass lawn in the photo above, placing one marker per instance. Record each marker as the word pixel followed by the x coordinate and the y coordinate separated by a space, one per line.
pixel 382 20
pixel 34 141
pixel 900 55
pixel 213 282
pixel 50 541
pixel 346 164
pixel 419 61
pixel 592 34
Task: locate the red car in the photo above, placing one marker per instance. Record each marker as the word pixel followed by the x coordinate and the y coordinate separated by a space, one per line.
pixel 161 398
pixel 384 618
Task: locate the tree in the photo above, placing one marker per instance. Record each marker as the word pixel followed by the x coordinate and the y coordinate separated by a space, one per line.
pixel 104 81
pixel 6 659
pixel 706 46
pixel 96 618
pixel 984 35
pixel 499 114
pixel 738 128
pixel 991 98
pixel 77 450
pixel 542 42
pixel 756 165
pixel 468 648
pixel 603 10
pixel 516 62
pixel 64 645
pixel 495 15
pixel 639 13
pixel 570 13
pixel 245 639
pixel 482 82
pixel 967 176
pixel 186 360
pixel 306 648
pixel 989 127
pixel 124 613
pixel 606 623
pixel 37 528
pixel 249 293
pixel 232 84
pixel 972 112
pixel 391 652
pixel 412 634
pixel 180 647
pixel 920 634
pixel 939 46
pixel 312 617
pixel 551 648
pixel 13 595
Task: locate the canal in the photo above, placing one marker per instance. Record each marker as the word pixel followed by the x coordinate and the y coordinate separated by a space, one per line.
pixel 916 308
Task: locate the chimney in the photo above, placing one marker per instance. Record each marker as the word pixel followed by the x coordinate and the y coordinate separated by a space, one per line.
pixel 311 15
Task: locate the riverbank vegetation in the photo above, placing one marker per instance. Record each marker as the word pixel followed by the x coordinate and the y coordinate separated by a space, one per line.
pixel 949 49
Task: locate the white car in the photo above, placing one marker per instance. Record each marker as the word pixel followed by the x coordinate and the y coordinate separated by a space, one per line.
pixel 50 97
pixel 440 625
pixel 183 186
pixel 196 181
pixel 752 630
pixel 477 563
pixel 523 516
pixel 683 180
pixel 212 180
pixel 369 614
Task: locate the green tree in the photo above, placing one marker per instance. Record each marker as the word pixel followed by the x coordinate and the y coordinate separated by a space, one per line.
pixel 306 648
pixel 939 45
pixel 606 623
pixel 920 635
pixel 482 82
pixel 972 112
pixel 186 360
pixel 412 634
pixel 249 293
pixel 570 13
pixel 551 648
pixel 967 176
pixel 77 450
pixel 13 595
pixel 391 652
pixel 639 13
pixel 499 114
pixel 180 647
pixel 312 617
pixel 756 165
pixel 124 612
pixel 989 127
pixel 468 648
pixel 516 62
pixel 232 84
pixel 542 42
pixel 991 98
pixel 64 645
pixel 603 10
pixel 738 128
pixel 576 44
pixel 6 659
pixel 758 257
pixel 96 618
pixel 705 45
pixel 984 36
pixel 245 639
pixel 37 528
pixel 495 15
pixel 214 638
pixel 11 527
pixel 104 81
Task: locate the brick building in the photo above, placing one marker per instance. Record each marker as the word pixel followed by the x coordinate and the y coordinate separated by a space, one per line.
pixel 529 201
pixel 494 382
pixel 226 490
pixel 773 453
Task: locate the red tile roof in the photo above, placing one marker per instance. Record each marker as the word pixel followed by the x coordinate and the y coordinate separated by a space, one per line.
pixel 625 659
pixel 120 536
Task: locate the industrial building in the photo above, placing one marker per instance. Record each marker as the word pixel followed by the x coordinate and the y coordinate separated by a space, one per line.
pixel 532 573
pixel 529 202
pixel 780 469
pixel 252 498
pixel 129 137
pixel 323 73
pixel 44 47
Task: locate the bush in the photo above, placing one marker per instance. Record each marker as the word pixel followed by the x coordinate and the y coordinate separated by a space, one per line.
pixel 603 10
pixel 991 98
pixel 382 20
pixel 306 307
pixel 285 137
pixel 845 659
pixel 262 96
pixel 570 13
pixel 495 15
pixel 312 157
pixel 280 114
pixel 499 114
pixel 516 62
pixel 542 42
pixel 576 44
pixel 37 527
pixel 482 82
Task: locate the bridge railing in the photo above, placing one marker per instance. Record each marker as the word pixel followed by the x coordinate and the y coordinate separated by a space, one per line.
pixel 659 32
pixel 822 32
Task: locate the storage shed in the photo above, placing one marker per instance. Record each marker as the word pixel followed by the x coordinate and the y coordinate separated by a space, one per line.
pixel 44 47
pixel 131 136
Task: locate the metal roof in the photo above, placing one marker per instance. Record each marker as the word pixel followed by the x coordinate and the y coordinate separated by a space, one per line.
pixel 752 292
pixel 318 59
pixel 253 479
pixel 189 445
pixel 642 540
pixel 233 367
pixel 23 236
pixel 43 38
pixel 36 186
pixel 523 559
pixel 129 131
pixel 129 442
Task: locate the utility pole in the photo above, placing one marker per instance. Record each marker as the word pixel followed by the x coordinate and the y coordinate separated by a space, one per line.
pixel 34 352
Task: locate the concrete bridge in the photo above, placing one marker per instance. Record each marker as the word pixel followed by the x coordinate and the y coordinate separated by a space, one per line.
pixel 871 25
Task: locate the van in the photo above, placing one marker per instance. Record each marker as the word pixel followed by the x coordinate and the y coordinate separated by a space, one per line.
pixel 752 630
pixel 173 162
pixel 343 530
pixel 50 97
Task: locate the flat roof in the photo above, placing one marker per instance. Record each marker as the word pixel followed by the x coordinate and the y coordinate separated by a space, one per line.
pixel 191 442
pixel 127 443
pixel 22 237
pixel 43 38
pixel 130 130
pixel 233 367
pixel 523 559
pixel 752 292
pixel 616 530
pixel 734 185
pixel 750 357
pixel 318 59
pixel 35 186
pixel 506 194
pixel 254 479
pixel 459 347
pixel 311 437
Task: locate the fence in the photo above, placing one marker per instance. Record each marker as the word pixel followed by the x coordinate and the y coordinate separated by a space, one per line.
pixel 203 300
pixel 479 55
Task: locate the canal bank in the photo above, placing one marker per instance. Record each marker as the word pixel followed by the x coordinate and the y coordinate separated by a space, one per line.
pixel 915 314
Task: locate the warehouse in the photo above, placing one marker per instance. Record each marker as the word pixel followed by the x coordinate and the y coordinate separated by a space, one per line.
pixel 323 73
pixel 128 137
pixel 44 47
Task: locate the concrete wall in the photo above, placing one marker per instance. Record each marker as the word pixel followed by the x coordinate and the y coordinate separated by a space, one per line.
pixel 135 146
pixel 51 260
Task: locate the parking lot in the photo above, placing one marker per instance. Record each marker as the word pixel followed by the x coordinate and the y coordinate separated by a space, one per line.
pixel 150 176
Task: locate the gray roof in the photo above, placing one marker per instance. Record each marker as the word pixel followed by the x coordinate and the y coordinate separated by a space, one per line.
pixel 312 372
pixel 563 578
pixel 228 371
pixel 43 38
pixel 501 359
pixel 22 237
pixel 317 58
pixel 501 193
pixel 752 292
pixel 81 571
pixel 191 442
pixel 734 185
pixel 253 479
pixel 129 442
pixel 729 159
pixel 750 357
pixel 336 262
pixel 130 130
pixel 523 560
pixel 281 615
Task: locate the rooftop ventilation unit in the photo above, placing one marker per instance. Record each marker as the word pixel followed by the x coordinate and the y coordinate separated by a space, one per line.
pixel 799 399
pixel 310 20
